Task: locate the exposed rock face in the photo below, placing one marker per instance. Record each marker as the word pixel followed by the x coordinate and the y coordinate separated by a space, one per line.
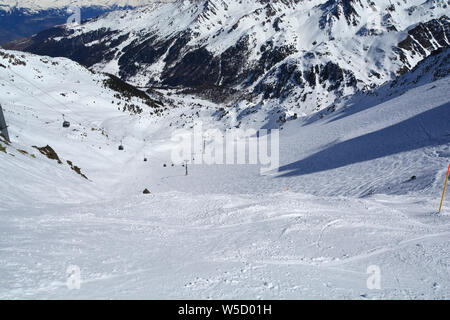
pixel 335 10
pixel 49 153
pixel 330 77
pixel 44 43
pixel 306 53
pixel 425 38
pixel 436 66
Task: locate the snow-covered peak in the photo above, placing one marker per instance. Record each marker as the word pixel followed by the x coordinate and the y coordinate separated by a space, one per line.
pixel 306 54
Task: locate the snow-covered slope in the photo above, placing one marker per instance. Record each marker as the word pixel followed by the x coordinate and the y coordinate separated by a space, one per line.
pixel 37 95
pixel 344 198
pixel 304 55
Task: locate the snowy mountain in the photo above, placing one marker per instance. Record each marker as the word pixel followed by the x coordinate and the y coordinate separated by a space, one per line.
pixel 359 89
pixel 305 55
pixel 23 18
pixel 357 187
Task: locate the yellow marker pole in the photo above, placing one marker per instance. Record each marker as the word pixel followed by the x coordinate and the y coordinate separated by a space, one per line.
pixel 445 186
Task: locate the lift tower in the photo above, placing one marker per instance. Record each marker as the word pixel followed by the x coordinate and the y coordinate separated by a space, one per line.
pixel 3 126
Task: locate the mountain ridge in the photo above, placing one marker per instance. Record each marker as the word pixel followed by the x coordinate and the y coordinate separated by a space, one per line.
pixel 307 55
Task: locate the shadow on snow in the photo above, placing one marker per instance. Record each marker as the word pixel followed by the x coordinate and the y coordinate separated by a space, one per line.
pixel 429 128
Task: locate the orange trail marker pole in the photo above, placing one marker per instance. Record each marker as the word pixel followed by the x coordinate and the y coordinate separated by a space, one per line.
pixel 445 186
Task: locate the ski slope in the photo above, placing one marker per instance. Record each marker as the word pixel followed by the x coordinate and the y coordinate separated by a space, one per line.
pixel 342 200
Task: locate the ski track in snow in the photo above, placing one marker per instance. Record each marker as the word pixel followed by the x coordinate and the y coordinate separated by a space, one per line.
pixel 197 250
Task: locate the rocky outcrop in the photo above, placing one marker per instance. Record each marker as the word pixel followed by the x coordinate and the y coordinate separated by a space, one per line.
pixel 335 10
pixel 424 39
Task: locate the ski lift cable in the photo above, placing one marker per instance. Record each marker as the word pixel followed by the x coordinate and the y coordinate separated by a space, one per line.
pixel 43 102
pixel 155 158
pixel 82 40
pixel 40 89
pixel 64 116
